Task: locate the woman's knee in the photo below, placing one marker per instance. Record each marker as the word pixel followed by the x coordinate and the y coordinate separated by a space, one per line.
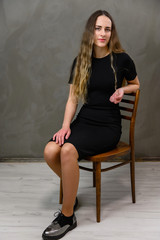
pixel 68 152
pixel 51 150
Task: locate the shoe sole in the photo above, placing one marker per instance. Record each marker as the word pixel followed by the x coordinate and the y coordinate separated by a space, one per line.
pixel 61 235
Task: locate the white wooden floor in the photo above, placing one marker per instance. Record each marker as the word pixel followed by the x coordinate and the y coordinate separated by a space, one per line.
pixel 29 194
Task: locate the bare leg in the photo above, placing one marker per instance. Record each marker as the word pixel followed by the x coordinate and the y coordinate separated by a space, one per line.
pixel 63 161
pixel 70 177
pixel 52 157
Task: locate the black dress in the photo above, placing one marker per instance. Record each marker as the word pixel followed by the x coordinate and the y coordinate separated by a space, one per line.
pixel 97 127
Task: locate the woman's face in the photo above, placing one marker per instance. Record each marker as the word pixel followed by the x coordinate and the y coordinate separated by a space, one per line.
pixel 102 32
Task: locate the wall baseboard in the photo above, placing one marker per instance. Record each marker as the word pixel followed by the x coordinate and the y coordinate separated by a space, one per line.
pixel 21 160
pixel 148 159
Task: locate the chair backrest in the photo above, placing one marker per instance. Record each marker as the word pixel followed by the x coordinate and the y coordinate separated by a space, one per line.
pixel 128 107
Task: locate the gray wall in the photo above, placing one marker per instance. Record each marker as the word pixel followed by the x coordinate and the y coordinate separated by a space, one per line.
pixel 38 41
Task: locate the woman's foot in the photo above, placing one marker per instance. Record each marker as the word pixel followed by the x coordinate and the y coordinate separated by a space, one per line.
pixel 59 227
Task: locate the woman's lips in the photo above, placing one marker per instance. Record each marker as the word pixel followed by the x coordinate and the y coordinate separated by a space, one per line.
pixel 102 40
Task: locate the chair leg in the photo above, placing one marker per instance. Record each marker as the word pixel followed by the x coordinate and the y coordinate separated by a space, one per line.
pixel 98 189
pixel 60 192
pixel 94 174
pixel 132 175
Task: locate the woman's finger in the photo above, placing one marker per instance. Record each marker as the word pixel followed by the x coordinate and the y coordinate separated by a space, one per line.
pixel 59 141
pixel 68 134
pixel 62 141
pixel 54 136
pixel 111 98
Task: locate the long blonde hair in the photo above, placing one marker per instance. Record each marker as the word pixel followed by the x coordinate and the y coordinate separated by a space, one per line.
pixel 82 68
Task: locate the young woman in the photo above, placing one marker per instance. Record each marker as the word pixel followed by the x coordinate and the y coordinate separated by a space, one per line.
pixel 96 77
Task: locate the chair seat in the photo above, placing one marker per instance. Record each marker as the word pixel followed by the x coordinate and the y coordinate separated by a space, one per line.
pixel 121 148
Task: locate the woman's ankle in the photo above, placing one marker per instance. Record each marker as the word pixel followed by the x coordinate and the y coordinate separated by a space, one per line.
pixel 67 212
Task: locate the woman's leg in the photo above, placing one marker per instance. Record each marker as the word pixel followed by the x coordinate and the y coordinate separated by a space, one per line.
pixel 70 177
pixel 52 157
pixel 63 161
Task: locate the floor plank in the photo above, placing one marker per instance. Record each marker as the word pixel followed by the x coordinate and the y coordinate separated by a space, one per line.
pixel 29 194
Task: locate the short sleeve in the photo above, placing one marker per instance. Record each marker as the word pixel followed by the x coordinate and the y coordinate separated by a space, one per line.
pixel 72 71
pixel 130 69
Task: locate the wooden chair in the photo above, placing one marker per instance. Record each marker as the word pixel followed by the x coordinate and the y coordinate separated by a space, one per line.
pixel 123 148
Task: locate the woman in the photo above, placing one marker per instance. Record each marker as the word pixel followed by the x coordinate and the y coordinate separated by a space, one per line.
pixel 96 78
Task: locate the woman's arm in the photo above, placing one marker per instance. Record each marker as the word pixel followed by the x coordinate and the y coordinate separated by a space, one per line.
pixel 131 87
pixel 70 110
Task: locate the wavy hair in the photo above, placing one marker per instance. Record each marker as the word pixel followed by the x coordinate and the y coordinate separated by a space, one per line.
pixel 82 70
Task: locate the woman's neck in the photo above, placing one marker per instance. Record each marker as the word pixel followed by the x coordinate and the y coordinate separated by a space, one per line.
pixel 99 52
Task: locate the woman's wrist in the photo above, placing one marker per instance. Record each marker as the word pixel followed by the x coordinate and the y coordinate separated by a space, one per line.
pixel 123 89
pixel 65 125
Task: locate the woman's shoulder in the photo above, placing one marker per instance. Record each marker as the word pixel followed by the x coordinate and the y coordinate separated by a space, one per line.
pixel 123 58
pixel 122 55
pixel 73 64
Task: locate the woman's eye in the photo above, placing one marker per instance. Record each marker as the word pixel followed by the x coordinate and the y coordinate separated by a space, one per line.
pixel 107 29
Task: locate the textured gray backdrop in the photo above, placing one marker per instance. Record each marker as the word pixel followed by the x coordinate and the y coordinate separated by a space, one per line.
pixel 38 41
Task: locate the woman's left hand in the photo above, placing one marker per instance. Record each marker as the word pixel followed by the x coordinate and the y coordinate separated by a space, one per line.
pixel 117 96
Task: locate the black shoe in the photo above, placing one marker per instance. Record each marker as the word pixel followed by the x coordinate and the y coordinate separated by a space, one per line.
pixel 76 204
pixel 59 227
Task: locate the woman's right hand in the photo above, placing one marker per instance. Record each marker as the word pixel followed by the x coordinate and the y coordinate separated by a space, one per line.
pixel 59 136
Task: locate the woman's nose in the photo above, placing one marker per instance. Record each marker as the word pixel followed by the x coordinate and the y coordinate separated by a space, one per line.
pixel 102 32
